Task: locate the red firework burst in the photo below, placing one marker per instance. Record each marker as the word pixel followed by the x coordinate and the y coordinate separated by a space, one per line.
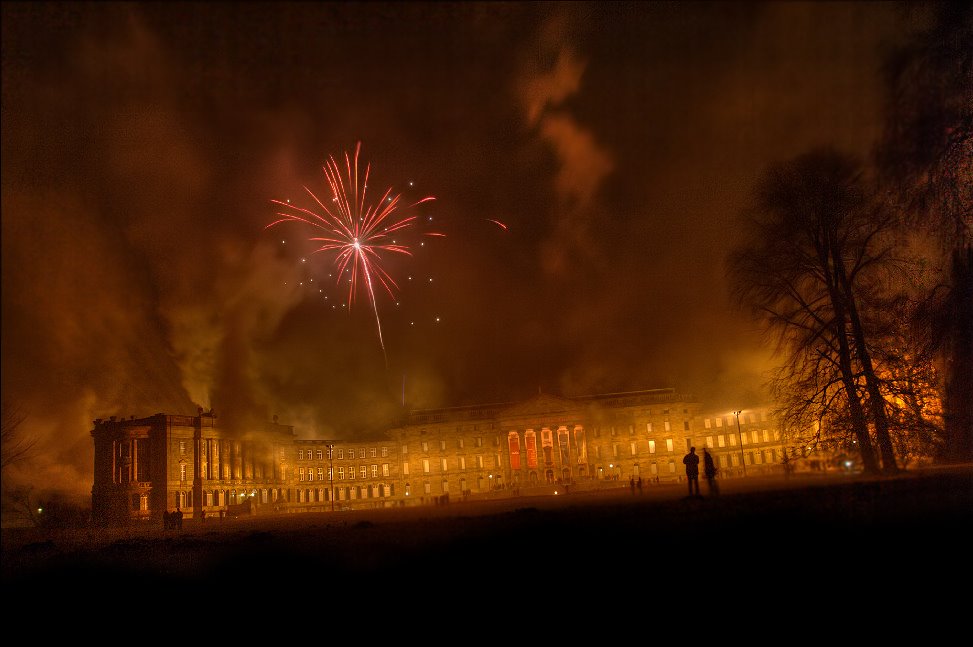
pixel 357 232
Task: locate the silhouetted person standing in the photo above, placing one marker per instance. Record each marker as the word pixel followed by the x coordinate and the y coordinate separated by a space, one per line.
pixel 709 471
pixel 691 461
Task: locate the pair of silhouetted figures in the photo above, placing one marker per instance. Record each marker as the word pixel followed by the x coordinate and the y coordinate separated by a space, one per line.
pixel 691 460
pixel 172 520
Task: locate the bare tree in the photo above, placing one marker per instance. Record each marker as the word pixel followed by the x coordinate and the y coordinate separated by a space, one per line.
pixel 926 160
pixel 14 445
pixel 814 252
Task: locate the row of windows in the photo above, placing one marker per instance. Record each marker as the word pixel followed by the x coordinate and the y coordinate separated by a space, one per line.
pixel 363 471
pixel 339 453
pixel 721 440
pixel 459 430
pixel 444 465
pixel 460 444
pixel 596 432
pixel 731 420
pixel 323 495
pixel 756 457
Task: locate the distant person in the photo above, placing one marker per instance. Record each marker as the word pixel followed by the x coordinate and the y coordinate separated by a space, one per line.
pixel 691 460
pixel 631 484
pixel 638 484
pixel 709 471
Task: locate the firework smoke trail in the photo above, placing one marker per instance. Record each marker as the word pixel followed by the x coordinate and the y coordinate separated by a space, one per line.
pixel 358 232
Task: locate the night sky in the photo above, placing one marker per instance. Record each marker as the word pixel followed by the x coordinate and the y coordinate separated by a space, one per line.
pixel 618 143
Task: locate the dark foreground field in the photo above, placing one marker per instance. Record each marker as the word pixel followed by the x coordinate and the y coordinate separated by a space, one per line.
pixel 786 547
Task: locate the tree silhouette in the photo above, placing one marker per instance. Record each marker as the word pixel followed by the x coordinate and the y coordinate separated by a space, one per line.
pixel 812 260
pixel 14 445
pixel 925 158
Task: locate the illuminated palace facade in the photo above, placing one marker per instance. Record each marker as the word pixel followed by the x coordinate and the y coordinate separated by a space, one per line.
pixel 189 463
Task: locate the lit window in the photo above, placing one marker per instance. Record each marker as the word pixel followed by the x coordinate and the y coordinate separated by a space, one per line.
pixel 301 472
pixel 405 469
pixel 361 452
pixel 425 445
pixel 374 471
pixel 385 452
pixel 667 426
pixel 320 473
pixel 633 449
pixel 648 427
pixel 442 465
pixel 719 422
pixel 766 436
pixel 405 449
pixel 721 440
pixel 385 469
pixel 372 452
pixel 651 446
pixel 668 444
pixel 341 473
pixel 425 465
pixel 363 471
pixel 706 423
pixel 709 442
pixel 442 444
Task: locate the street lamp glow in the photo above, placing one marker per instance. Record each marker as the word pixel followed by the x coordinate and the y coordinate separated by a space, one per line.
pixel 743 460
pixel 331 469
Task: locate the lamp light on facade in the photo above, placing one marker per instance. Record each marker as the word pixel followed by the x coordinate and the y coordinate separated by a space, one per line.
pixel 331 459
pixel 743 460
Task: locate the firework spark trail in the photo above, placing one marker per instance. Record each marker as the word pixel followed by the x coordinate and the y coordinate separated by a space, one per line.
pixel 358 232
